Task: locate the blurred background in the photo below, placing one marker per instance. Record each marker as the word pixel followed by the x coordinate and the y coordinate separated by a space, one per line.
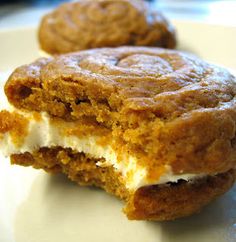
pixel 15 13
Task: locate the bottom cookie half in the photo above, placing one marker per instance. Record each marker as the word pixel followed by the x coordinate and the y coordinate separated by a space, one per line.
pixel 156 202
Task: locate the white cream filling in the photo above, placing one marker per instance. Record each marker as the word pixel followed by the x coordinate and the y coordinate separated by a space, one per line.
pixel 43 133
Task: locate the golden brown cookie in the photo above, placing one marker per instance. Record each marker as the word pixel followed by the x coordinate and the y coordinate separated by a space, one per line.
pixel 163 202
pixel 160 122
pixel 90 24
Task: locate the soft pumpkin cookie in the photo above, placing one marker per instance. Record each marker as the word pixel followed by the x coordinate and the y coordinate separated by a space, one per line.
pixel 155 127
pixel 90 24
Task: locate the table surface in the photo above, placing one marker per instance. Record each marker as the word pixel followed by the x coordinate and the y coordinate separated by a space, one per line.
pixel 210 11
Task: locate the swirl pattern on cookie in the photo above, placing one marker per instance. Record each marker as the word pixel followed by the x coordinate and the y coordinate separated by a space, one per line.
pixel 89 24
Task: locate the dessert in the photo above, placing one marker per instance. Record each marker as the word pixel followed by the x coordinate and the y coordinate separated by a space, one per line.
pixel 152 126
pixel 90 24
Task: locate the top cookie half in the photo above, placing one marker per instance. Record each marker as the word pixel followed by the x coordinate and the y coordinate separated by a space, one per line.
pixel 90 24
pixel 162 106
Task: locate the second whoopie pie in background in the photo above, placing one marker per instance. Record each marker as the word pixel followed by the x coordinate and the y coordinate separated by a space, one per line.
pixel 90 24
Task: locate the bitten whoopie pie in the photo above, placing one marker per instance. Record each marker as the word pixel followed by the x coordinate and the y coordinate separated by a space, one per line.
pixel 155 127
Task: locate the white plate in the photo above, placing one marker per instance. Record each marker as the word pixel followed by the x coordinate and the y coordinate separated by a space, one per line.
pixel 36 207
